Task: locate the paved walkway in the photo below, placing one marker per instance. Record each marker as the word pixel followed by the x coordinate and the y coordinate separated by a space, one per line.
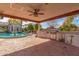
pixel 31 46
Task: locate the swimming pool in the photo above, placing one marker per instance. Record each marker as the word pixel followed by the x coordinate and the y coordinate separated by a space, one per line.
pixel 6 35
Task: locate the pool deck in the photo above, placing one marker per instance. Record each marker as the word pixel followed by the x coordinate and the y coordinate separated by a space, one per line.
pixel 34 46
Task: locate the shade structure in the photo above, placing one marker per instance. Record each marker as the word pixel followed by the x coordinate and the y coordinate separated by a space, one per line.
pixel 51 11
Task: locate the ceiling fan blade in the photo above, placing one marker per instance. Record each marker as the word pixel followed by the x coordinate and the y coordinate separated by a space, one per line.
pixel 36 15
pixel 29 11
pixel 30 14
pixel 37 10
pixel 41 13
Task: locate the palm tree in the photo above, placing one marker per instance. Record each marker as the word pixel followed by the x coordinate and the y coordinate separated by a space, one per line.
pixel 14 23
pixel 30 27
pixel 68 20
pixel 37 27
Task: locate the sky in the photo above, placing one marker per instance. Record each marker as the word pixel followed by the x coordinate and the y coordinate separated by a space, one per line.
pixel 76 21
pixel 57 22
pixel 6 20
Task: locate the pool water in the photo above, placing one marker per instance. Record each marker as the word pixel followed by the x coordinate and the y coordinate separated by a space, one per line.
pixel 12 35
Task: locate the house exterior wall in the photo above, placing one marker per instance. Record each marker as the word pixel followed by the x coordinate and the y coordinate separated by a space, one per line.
pixel 14 28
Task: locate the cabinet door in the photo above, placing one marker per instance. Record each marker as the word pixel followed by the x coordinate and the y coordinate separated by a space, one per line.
pixel 68 38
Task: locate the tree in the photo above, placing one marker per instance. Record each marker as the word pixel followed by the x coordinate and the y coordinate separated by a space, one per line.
pixel 36 26
pixel 64 28
pixel 68 20
pixel 73 27
pixel 14 21
pixel 68 26
pixel 30 27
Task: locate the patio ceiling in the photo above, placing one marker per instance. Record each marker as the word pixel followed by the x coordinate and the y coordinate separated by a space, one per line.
pixel 51 11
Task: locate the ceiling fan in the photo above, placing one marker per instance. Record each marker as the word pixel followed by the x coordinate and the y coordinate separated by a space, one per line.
pixel 35 12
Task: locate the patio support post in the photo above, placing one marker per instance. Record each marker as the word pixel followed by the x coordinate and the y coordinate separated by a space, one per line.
pixel 34 28
pixel 38 27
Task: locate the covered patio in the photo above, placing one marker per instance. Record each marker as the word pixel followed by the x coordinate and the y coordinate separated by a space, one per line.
pixel 32 45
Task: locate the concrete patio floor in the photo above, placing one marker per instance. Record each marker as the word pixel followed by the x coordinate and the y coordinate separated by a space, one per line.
pixel 32 46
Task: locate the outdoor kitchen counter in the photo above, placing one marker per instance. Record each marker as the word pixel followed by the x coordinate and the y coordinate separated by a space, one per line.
pixel 71 38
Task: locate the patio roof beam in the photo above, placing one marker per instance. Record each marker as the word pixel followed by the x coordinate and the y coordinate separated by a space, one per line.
pixel 16 17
